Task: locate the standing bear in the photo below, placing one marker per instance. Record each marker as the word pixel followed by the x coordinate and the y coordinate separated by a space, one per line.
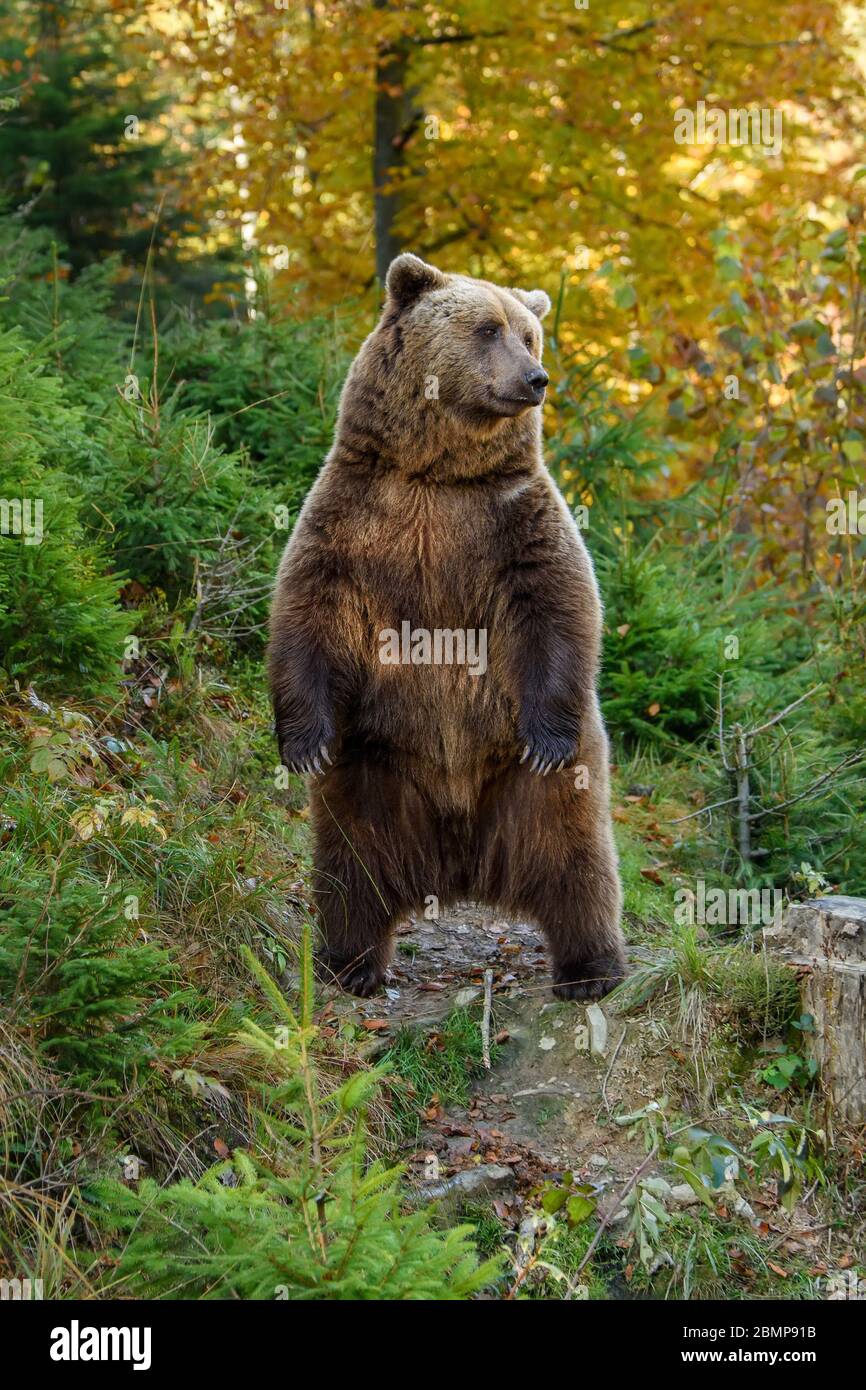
pixel 434 646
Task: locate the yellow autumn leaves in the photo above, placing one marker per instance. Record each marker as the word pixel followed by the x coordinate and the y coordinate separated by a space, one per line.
pixel 94 819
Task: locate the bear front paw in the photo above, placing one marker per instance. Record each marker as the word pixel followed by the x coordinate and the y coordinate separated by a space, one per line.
pixel 549 752
pixel 306 762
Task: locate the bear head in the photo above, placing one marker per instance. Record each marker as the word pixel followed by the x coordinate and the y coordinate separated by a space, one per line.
pixel 470 347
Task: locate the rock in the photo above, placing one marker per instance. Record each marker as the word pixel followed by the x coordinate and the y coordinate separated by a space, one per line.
pixel 743 1210
pixel 827 936
pixel 460 1146
pixel 471 1182
pixel 658 1186
pixel 683 1196
pixel 597 1030
pixel 464 997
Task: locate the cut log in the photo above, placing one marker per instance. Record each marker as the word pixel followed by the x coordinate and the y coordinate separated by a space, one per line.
pixel 827 937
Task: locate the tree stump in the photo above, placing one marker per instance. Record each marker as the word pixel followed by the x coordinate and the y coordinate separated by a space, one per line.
pixel 826 937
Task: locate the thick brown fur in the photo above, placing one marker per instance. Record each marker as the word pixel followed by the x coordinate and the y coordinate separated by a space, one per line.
pixel 434 507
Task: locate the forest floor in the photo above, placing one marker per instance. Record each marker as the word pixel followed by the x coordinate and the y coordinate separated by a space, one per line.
pixel 631 1149
pixel 575 1099
pixel 537 1108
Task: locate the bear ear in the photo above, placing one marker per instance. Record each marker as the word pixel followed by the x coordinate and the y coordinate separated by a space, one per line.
pixel 409 277
pixel 536 301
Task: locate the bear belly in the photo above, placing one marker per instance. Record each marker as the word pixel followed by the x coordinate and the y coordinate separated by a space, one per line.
pixel 439 721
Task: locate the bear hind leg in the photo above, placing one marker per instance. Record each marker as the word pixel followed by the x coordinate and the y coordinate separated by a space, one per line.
pixel 373 852
pixel 552 858
pixel 579 913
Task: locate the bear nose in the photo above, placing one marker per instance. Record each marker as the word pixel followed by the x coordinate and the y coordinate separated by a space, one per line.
pixel 537 378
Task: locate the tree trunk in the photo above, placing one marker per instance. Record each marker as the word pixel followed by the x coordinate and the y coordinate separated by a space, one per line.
pixel 391 122
pixel 827 938
pixel 744 825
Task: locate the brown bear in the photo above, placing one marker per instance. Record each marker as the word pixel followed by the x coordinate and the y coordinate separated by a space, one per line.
pixel 434 646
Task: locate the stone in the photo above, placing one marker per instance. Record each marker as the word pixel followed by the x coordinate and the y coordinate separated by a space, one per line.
pixel 597 1030
pixel 683 1196
pixel 471 1182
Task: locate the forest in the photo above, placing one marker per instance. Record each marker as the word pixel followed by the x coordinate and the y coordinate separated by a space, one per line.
pixel 198 208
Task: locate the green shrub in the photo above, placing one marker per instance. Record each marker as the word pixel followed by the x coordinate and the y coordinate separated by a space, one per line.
pixel 59 617
pixel 170 505
pixel 98 997
pixel 85 345
pixel 661 658
pixel 271 387
pixel 170 500
pixel 242 1232
pixel 314 1220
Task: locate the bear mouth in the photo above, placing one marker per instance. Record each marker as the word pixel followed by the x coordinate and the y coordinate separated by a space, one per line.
pixel 514 404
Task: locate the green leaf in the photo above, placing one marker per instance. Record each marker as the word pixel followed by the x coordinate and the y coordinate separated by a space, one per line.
pixel 579 1208
pixel 554 1199
pixel 45 759
pixel 694 1181
pixel 728 268
pixel 806 329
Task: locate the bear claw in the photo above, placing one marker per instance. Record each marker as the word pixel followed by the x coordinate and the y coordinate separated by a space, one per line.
pixel 550 758
pixel 359 977
pixel 310 764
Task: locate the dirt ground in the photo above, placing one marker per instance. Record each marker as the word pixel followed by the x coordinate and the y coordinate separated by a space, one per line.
pixel 546 1104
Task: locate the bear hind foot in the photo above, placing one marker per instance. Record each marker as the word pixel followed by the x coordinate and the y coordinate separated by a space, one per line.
pixel 588 979
pixel 362 975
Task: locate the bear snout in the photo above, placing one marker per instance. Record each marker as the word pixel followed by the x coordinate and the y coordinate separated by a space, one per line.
pixel 536 379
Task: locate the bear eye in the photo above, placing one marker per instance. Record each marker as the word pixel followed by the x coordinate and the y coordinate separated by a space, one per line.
pixel 489 330
pixel 529 341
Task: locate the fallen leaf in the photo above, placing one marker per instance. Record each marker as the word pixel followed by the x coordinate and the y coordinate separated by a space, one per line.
pixel 652 874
